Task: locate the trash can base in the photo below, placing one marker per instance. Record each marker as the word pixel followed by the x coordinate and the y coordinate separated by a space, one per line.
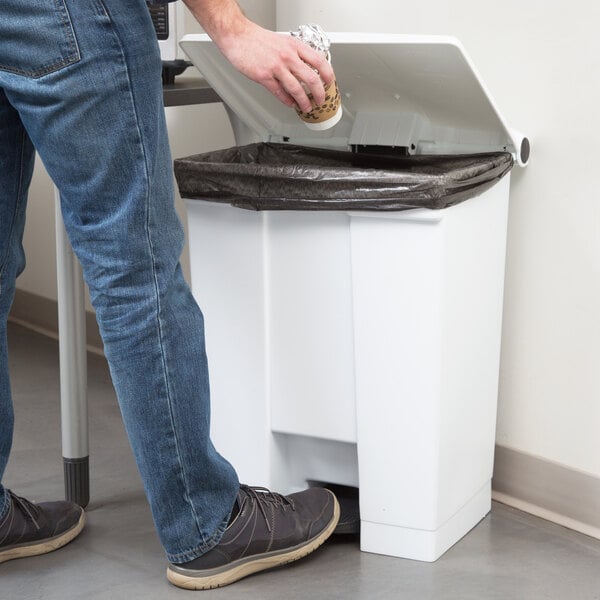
pixel 423 545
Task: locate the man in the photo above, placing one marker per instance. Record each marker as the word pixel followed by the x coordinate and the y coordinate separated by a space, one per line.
pixel 80 83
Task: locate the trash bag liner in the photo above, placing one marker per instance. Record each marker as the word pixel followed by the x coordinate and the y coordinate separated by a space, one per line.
pixel 268 176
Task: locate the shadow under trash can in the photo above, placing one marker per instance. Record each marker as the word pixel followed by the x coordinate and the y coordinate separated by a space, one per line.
pixel 352 285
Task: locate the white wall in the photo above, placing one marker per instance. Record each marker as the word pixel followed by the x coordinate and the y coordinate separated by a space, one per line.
pixel 541 61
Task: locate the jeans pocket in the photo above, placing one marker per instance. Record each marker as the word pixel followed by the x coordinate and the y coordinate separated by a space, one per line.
pixel 36 37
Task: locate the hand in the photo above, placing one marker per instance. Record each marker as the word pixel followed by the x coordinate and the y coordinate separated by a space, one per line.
pixel 288 68
pixel 280 63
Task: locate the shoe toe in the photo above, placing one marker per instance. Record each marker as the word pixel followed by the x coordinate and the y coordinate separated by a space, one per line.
pixel 62 515
pixel 317 506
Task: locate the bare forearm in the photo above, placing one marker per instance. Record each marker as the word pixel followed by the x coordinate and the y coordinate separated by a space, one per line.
pixel 221 19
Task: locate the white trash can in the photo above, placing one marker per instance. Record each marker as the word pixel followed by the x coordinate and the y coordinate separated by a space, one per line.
pixel 354 346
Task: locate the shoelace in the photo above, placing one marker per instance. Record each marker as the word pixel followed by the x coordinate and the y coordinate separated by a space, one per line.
pixel 262 495
pixel 28 508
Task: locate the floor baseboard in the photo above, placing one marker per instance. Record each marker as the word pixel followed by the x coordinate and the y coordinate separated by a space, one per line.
pixel 554 492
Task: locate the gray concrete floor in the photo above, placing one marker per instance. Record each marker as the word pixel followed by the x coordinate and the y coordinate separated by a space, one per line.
pixel 509 555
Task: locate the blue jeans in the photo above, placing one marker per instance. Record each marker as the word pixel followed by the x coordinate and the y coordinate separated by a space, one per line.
pixel 80 82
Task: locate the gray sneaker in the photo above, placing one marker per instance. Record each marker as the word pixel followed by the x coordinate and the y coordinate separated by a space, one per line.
pixel 269 530
pixel 29 529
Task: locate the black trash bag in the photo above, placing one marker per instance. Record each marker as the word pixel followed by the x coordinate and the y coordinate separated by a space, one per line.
pixel 268 176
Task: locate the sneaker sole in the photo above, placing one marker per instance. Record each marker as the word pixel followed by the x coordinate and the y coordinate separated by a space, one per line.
pixel 239 569
pixel 43 546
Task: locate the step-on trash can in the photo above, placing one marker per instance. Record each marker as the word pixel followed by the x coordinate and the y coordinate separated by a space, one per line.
pixel 352 285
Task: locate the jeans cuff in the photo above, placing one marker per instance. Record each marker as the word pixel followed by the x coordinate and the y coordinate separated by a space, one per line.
pixel 192 553
pixel 5 506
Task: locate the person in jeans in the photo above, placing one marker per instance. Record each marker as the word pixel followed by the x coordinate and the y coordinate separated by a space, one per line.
pixel 80 82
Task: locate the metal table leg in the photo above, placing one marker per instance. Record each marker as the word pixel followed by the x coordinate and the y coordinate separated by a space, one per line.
pixel 73 366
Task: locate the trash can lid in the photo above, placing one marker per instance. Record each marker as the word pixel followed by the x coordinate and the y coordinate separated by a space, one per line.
pixel 421 93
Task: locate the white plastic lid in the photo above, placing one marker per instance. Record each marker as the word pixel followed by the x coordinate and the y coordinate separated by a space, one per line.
pixel 417 92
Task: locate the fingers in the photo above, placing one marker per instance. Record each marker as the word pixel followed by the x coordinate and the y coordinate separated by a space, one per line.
pixel 300 93
pixel 290 69
pixel 317 61
pixel 280 93
pixel 305 75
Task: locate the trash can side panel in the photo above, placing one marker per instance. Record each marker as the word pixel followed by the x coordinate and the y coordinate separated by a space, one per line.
pixel 396 279
pixel 472 322
pixel 311 333
pixel 226 257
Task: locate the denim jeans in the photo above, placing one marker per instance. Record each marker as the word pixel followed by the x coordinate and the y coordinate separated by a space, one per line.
pixel 80 82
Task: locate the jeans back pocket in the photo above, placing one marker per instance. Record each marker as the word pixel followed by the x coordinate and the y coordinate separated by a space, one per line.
pixel 36 37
